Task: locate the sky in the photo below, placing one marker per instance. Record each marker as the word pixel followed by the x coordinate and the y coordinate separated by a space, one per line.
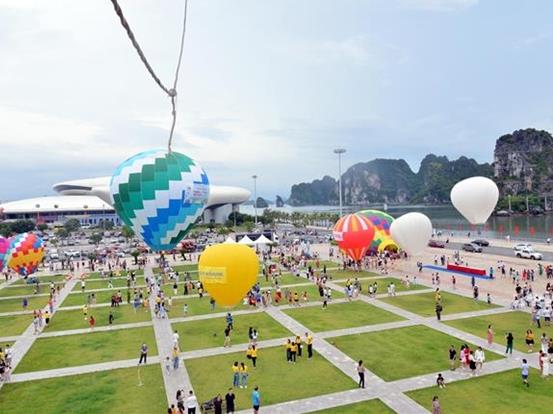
pixel 266 87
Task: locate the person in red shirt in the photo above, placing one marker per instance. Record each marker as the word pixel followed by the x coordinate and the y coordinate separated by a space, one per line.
pixel 91 322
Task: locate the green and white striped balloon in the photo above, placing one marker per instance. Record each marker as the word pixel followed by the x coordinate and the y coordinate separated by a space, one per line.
pixel 160 195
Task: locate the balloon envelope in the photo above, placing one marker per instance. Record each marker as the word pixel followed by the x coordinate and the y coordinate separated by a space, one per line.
pixel 228 271
pixel 4 252
pixel 411 232
pixel 354 233
pixel 381 222
pixel 159 195
pixel 26 253
pixel 475 198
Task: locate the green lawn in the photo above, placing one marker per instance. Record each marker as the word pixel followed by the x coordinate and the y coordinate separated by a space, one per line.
pixel 15 305
pixel 515 322
pixel 74 319
pixel 123 273
pixel 285 279
pixel 278 380
pixel 341 315
pixel 349 274
pixel 365 407
pixel 3 344
pixel 26 290
pixel 91 348
pixel 197 306
pixel 113 392
pixel 41 279
pixel 382 285
pixel 181 268
pixel 329 264
pixel 209 333
pixel 491 394
pixel 312 293
pixel 403 352
pixel 14 325
pixel 104 296
pixel 103 284
pixel 424 304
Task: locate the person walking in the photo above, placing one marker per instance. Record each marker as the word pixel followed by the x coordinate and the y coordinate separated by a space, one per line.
pixel 110 318
pixel 509 338
pixel 243 375
pixel 143 354
pixel 218 405
pixel 452 358
pixel 91 322
pixel 175 356
pixel 309 343
pixel 227 337
pixel 436 407
pixel 256 400
pixel 293 352
pixel 529 340
pixel 525 371
pixel 229 400
pixel 230 321
pixel 489 336
pixel 544 362
pixel 191 403
pixel 253 355
pixel 361 374
pixel 235 375
pixel 439 310
pixel 479 357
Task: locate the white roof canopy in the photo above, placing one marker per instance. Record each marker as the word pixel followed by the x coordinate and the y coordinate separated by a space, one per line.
pixel 262 240
pixel 246 240
pixel 229 240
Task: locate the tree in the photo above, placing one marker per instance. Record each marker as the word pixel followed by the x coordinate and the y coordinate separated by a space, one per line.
pixel 135 254
pixel 72 225
pixel 6 230
pixel 105 224
pixel 96 238
pixel 127 232
pixel 42 227
pixel 22 226
pixel 62 233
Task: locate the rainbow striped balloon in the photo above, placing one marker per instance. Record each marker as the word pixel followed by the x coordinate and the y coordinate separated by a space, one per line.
pixel 4 252
pixel 26 253
pixel 382 222
pixel 354 233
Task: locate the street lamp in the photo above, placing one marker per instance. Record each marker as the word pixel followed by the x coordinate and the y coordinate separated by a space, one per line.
pixel 255 197
pixel 340 151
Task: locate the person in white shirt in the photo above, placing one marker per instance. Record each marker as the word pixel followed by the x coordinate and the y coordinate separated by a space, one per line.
pixel 176 338
pixel 191 403
pixel 479 357
pixel 393 289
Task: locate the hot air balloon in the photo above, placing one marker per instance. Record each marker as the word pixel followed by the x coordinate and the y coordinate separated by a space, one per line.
pixel 26 253
pixel 475 198
pixel 412 232
pixel 4 252
pixel 159 195
pixel 228 271
pixel 354 233
pixel 381 222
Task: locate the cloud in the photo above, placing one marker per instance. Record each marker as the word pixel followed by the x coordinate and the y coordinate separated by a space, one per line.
pixel 532 40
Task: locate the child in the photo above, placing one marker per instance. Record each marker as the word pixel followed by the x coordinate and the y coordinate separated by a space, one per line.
pixel 440 382
pixel 525 370
pixel 185 309
pixel 167 364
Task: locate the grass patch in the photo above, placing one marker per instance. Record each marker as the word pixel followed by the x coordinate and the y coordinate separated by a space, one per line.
pixel 502 323
pixel 341 315
pixel 365 407
pixel 73 319
pixel 424 304
pixel 490 394
pixel 114 391
pixel 41 279
pixel 15 305
pixel 278 380
pixel 84 349
pixel 104 296
pixel 14 325
pixel 26 290
pixel 390 354
pixel 209 333
pixel 103 284
pixel 349 274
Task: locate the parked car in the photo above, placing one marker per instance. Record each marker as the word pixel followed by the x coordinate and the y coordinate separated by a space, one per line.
pixel 436 243
pixel 471 247
pixel 528 254
pixel 481 242
pixel 73 253
pixel 522 246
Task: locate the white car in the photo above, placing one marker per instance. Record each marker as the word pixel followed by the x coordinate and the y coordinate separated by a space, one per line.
pixel 73 253
pixel 529 254
pixel 522 246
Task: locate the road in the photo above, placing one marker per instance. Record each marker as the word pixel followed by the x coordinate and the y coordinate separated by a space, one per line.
pixel 499 251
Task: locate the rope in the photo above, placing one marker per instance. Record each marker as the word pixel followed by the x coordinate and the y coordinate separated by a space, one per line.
pixel 172 93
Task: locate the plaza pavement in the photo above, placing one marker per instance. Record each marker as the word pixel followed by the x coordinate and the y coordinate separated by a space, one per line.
pixel 391 393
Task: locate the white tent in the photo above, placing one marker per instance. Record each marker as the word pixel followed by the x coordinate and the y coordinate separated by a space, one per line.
pixel 262 240
pixel 229 240
pixel 246 240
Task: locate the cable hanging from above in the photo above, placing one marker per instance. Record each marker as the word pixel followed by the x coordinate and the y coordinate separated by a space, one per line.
pixel 171 92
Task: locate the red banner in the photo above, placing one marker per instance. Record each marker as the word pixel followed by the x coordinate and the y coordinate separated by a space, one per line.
pixel 516 230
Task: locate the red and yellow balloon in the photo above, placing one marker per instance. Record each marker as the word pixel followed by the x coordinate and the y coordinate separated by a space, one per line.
pixel 228 272
pixel 354 234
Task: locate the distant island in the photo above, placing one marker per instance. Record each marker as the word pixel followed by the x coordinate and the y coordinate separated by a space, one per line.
pixel 522 165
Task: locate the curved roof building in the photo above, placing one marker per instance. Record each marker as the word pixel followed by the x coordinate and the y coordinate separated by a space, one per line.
pixel 90 201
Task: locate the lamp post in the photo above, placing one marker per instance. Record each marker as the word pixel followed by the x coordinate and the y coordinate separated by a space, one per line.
pixel 340 151
pixel 255 198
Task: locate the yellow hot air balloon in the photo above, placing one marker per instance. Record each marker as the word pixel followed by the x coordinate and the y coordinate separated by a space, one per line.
pixel 228 271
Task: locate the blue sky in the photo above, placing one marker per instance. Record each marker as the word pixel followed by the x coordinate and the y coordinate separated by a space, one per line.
pixel 267 87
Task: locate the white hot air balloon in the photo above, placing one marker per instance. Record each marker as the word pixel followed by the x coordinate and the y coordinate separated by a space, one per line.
pixel 475 198
pixel 411 232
